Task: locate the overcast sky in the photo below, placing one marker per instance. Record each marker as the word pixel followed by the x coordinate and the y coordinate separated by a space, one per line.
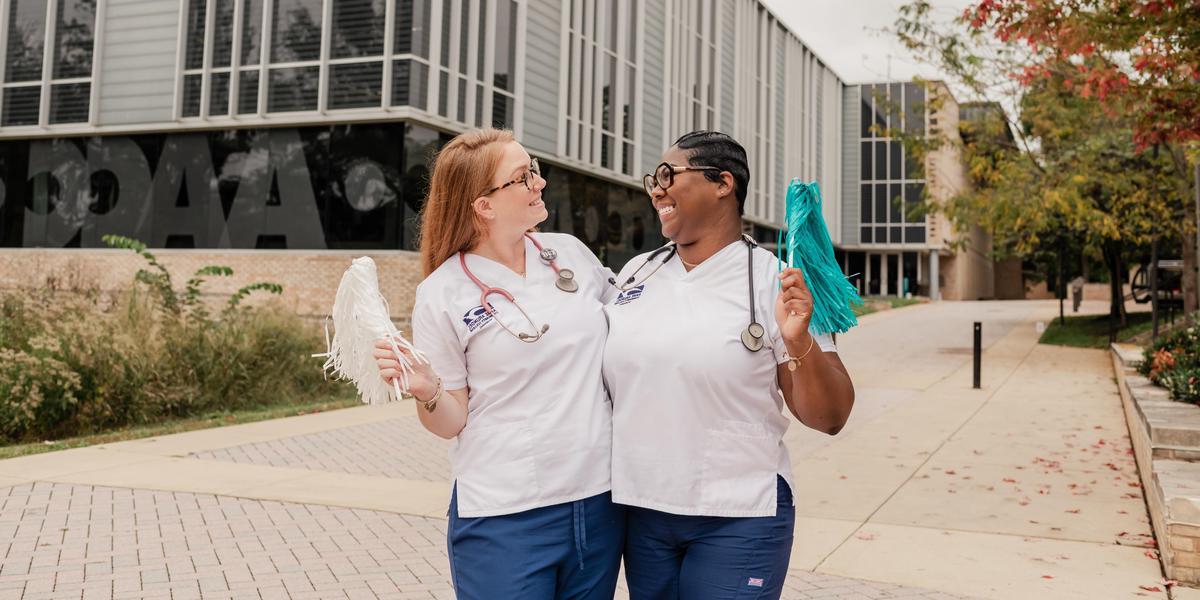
pixel 847 35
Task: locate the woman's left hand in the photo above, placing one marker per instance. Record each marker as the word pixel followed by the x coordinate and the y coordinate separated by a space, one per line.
pixel 793 308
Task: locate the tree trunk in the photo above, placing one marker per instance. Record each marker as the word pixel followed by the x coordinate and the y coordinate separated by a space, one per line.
pixel 1112 259
pixel 1188 184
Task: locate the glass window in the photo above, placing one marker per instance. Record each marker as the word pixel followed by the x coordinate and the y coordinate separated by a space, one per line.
pixel 912 168
pixel 894 234
pixel 409 85
pixel 881 201
pixel 913 200
pixel 21 105
pixel 865 168
pixel 222 54
pixel 191 95
pixel 894 159
pixel 631 49
pixel 357 28
pixel 895 203
pixel 356 85
pixel 69 55
pixel 248 92
pixel 218 99
pixel 865 235
pixel 464 34
pixel 502 111
pixel 879 101
pixel 914 103
pixel 462 99
pixel 295 31
pixel 865 204
pixel 866 111
pixel 446 14
pixel 412 27
pixel 914 234
pixel 252 18
pixel 506 45
pixel 481 46
pixel 293 89
pixel 26 40
pixel 194 53
pixel 881 162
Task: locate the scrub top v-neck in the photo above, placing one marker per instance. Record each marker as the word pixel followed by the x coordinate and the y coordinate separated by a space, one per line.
pixel 539 423
pixel 697 418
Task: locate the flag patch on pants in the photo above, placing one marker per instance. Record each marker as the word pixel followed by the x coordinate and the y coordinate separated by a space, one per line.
pixel 755 582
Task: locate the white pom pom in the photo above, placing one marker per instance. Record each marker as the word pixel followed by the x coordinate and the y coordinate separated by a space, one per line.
pixel 360 318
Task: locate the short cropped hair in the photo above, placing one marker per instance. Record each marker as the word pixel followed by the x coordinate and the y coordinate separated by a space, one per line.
pixel 716 149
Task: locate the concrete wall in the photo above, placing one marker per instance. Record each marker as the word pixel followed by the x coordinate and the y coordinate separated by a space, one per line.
pixel 851 168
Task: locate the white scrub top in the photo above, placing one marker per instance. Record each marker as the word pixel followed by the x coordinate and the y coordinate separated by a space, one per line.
pixel 697 418
pixel 539 423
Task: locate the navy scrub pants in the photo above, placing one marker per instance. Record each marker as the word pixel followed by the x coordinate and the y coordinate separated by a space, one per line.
pixel 674 557
pixel 569 551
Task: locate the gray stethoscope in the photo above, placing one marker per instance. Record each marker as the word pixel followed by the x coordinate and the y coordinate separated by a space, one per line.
pixel 565 282
pixel 752 335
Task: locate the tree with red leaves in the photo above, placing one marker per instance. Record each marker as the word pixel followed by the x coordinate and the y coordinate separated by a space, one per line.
pixel 1139 59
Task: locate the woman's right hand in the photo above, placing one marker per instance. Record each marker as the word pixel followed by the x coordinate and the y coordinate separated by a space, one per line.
pixel 422 382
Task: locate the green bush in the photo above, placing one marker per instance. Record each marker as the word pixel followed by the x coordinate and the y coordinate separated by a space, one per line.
pixel 1174 362
pixel 71 365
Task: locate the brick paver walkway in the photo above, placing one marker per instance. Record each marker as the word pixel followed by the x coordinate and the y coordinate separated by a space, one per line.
pixel 84 542
pixel 398 448
pixel 74 541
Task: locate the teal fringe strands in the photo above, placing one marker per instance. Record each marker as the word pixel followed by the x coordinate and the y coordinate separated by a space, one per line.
pixel 808 247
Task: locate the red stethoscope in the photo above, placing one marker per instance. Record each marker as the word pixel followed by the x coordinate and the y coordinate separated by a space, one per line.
pixel 565 282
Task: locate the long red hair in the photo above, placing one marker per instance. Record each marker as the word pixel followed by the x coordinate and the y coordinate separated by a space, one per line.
pixel 462 170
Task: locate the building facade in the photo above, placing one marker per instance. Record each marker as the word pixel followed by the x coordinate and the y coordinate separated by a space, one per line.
pixel 293 131
pixel 890 244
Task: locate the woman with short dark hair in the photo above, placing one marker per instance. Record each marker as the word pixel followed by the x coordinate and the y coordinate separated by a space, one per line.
pixel 707 343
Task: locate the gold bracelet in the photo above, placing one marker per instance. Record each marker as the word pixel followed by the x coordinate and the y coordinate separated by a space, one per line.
pixel 794 362
pixel 431 404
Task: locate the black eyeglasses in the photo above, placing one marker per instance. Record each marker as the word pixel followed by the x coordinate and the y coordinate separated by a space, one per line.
pixel 664 176
pixel 526 178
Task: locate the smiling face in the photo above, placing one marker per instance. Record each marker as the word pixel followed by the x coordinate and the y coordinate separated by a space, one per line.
pixel 516 208
pixel 692 203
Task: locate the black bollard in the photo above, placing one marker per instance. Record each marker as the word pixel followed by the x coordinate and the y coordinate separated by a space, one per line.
pixel 978 351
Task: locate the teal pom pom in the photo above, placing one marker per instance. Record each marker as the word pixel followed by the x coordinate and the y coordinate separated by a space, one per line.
pixel 807 246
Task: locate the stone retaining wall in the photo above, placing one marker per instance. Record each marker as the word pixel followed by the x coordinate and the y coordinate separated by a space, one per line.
pixel 1166 442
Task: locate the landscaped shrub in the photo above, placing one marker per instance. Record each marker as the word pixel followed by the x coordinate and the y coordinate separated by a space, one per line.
pixel 1174 363
pixel 71 364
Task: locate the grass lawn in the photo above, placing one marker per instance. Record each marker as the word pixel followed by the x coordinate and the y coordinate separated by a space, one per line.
pixel 184 424
pixel 876 303
pixel 1092 331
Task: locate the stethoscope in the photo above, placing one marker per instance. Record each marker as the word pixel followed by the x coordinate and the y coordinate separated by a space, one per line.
pixel 752 335
pixel 565 282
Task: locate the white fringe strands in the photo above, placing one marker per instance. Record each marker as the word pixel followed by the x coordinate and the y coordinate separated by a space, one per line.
pixel 360 318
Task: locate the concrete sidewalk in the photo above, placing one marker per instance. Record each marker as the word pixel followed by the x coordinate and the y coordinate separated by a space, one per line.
pixel 1022 488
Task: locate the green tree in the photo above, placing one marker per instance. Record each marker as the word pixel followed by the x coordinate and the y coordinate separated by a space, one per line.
pixel 1138 60
pixel 1071 178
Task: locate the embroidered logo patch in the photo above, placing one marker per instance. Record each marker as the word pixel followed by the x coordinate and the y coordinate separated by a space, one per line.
pixel 755 582
pixel 477 317
pixel 630 294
